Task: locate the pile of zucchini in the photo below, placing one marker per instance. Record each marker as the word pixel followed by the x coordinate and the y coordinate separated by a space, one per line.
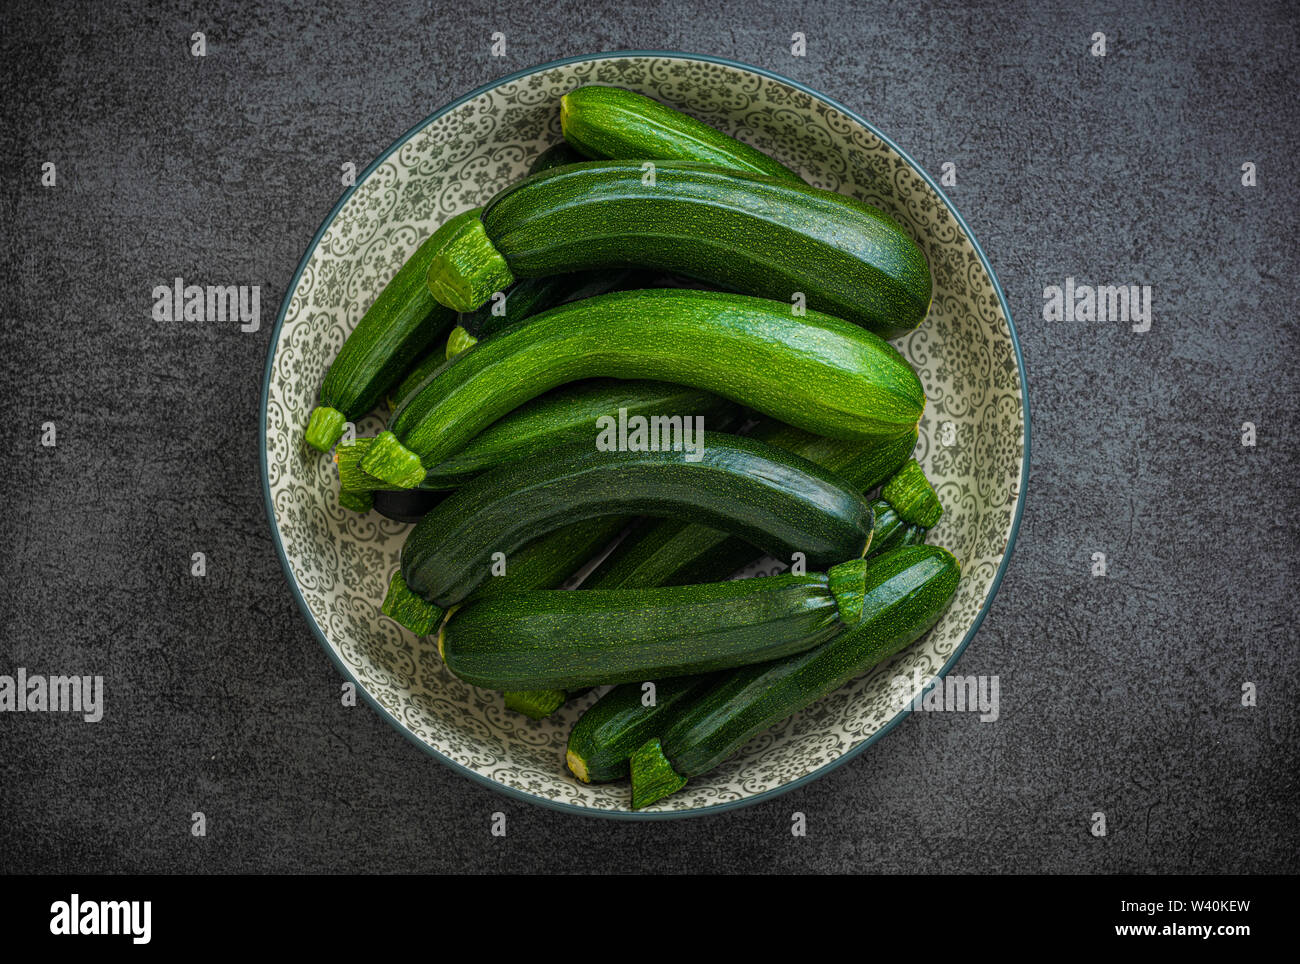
pixel 654 270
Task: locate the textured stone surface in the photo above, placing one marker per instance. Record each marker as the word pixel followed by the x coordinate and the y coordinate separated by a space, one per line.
pixel 1119 694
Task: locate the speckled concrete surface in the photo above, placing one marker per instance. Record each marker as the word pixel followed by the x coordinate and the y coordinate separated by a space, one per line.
pixel 1119 694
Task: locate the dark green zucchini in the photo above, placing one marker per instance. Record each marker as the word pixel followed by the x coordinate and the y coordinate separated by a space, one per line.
pixel 399 327
pixel 674 552
pixel 620 722
pixel 776 500
pixel 565 414
pixel 611 122
pixel 562 640
pixel 815 372
pixel 749 233
pixel 906 591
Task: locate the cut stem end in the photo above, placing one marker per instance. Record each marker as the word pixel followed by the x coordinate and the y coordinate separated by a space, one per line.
pixel 848 584
pixel 324 427
pixel 467 268
pixel 653 777
pixel 577 766
pixel 912 495
pixel 407 609
pixel 535 704
pixel 392 462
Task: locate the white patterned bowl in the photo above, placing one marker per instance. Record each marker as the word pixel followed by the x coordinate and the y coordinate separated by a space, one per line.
pixel 973 445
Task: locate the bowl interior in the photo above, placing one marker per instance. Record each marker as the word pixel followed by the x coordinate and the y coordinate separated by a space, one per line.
pixel 972 440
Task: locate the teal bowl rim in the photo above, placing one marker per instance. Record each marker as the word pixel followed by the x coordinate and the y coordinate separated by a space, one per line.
pixel 478 777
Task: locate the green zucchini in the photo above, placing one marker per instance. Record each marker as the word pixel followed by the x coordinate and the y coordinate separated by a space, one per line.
pixel 611 122
pixel 674 552
pixel 906 591
pixel 776 500
pixel 561 640
pixel 815 372
pixel 749 233
pixel 564 414
pixel 396 329
pixel 617 724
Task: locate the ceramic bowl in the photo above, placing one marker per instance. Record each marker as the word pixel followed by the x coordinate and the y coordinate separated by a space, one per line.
pixel 973 444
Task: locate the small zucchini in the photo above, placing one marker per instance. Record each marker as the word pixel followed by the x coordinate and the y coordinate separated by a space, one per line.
pixel 815 372
pixel 564 414
pixel 399 327
pixel 775 500
pixel 905 593
pixel 562 640
pixel 611 122
pixel 749 233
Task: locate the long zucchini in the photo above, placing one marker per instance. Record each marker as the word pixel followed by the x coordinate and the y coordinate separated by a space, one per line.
pixel 906 591
pixel 564 414
pixel 395 331
pixel 674 552
pixel 815 372
pixel 749 233
pixel 561 640
pixel 777 501
pixel 611 122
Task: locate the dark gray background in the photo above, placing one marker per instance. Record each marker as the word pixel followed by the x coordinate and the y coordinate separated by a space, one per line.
pixel 1119 694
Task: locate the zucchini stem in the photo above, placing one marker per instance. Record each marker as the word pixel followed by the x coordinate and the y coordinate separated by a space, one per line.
pixel 848 584
pixel 535 704
pixel 912 496
pixel 348 458
pixel 324 427
pixel 653 777
pixel 392 462
pixel 467 268
pixel 407 609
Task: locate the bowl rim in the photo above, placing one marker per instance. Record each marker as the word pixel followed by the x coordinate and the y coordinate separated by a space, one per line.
pixel 570 808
